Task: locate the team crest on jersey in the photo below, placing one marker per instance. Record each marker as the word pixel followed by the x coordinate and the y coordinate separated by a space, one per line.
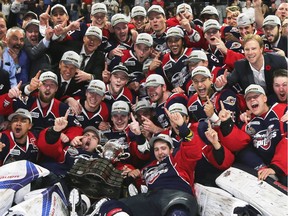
pixel 192 108
pixel 80 118
pixel 230 101
pixel 250 130
pixel 263 138
pixel 72 151
pixel 235 45
pixel 6 103
pixel 130 63
pixel 35 114
pixel 167 66
pixel 152 174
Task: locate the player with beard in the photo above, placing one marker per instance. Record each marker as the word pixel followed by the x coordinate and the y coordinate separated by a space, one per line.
pixel 43 106
pixel 261 141
pixel 18 143
pixel 272 31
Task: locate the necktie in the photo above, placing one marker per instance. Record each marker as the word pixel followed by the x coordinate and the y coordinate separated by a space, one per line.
pixel 84 57
pixel 62 89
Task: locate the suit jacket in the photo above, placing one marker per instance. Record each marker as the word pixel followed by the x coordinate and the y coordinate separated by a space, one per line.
pixel 94 66
pixel 39 59
pixel 243 74
pixel 71 90
pixel 283 45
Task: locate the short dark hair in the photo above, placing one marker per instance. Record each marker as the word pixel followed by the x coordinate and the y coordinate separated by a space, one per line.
pixel 280 73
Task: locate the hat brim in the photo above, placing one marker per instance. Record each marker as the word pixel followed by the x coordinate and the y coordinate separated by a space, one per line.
pixel 10 117
pixel 71 63
pixel 155 138
pixel 119 113
pixel 96 91
pixel 92 129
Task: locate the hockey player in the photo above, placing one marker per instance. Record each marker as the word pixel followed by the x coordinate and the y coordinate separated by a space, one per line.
pixel 169 178
pixel 41 103
pixel 18 143
pixel 205 103
pixel 261 143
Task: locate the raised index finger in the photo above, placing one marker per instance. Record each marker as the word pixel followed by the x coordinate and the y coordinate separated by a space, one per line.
pixel 48 9
pixel 209 125
pixel 80 19
pixel 19 84
pixel 38 74
pixel 67 113
pixel 222 105
pixel 132 117
pixel 208 100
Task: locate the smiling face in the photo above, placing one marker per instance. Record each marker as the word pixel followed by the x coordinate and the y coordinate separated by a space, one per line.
pixel 93 100
pixel 89 141
pixel 3 28
pixel 280 88
pixel 20 127
pixel 175 44
pixel 120 121
pixel 156 93
pixel 139 22
pixel 202 85
pixel 245 30
pixel 161 150
pixel 91 43
pixel 253 51
pixel 67 70
pixel 256 103
pixel 47 91
pixel 98 19
pixel 15 41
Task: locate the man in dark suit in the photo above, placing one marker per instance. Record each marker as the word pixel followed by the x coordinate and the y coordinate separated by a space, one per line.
pixel 257 68
pixel 36 49
pixel 68 87
pixel 92 60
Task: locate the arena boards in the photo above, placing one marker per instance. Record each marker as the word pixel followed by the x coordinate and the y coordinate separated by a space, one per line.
pixel 260 194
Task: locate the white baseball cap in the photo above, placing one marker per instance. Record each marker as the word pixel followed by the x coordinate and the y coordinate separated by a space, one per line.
pixel 120 68
pixel 48 75
pixel 202 71
pixel 154 80
pixel 271 20
pixel 138 11
pixel 71 57
pixel 244 19
pixel 94 31
pixel 157 9
pixel 196 56
pixel 178 107
pixel 211 10
pixel 97 86
pixel 118 18
pixel 58 6
pixel 21 112
pixel 184 7
pixel 120 107
pixel 163 137
pixel 211 23
pixel 32 22
pixel 174 32
pixel 142 104
pixel 144 38
pixel 255 89
pixel 98 8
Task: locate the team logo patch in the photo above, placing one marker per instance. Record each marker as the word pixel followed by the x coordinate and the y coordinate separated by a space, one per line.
pixel 230 101
pixel 80 117
pixel 130 63
pixel 35 114
pixel 72 151
pixel 263 138
pixel 250 130
pixel 167 66
pixel 192 108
